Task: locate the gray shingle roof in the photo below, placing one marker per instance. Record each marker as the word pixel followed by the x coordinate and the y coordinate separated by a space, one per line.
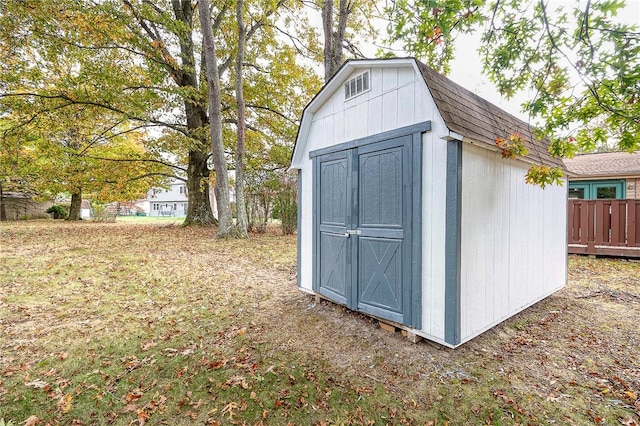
pixel 479 120
pixel 604 164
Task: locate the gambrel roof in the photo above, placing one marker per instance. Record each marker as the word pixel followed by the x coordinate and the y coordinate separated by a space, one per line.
pixel 477 119
pixel 468 117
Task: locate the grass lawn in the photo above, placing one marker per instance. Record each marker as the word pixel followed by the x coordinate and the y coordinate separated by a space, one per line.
pixel 146 322
pixel 150 219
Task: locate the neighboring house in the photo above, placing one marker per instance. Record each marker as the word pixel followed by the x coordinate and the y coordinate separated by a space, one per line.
pixel 168 202
pixel 604 175
pixel 174 201
pixel 18 205
pixel 408 212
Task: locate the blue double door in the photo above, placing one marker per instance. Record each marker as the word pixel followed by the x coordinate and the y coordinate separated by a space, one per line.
pixel 363 229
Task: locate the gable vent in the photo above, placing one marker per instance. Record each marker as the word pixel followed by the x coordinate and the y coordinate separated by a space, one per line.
pixel 357 85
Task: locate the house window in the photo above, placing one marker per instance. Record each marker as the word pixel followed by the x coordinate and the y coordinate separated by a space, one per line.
pixel 156 206
pixel 592 190
pixel 357 85
pixel 576 193
pixel 182 189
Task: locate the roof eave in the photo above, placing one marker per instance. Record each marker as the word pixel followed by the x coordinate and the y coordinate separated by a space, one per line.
pixel 579 176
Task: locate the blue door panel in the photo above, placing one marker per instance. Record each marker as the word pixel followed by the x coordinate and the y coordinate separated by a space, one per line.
pixel 380 276
pixel 364 226
pixel 333 266
pixel 333 195
pixel 381 188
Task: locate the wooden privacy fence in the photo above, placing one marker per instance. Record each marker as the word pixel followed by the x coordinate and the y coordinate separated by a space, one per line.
pixel 604 227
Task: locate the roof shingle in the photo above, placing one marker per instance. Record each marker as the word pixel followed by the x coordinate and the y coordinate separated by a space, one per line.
pixel 477 119
pixel 604 164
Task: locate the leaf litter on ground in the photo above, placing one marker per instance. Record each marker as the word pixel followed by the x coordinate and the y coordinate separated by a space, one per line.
pixel 146 324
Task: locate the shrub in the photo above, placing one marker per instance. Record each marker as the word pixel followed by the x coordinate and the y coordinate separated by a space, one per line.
pixel 99 213
pixel 58 212
pixel 286 205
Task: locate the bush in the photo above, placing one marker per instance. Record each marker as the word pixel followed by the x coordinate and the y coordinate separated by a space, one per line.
pixel 58 212
pixel 99 213
pixel 286 205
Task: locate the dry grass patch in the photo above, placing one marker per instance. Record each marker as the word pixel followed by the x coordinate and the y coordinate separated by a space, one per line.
pixel 157 324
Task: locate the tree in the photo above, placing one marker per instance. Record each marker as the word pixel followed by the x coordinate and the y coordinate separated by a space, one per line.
pixel 67 84
pixel 74 152
pixel 241 126
pixel 158 32
pixel 353 15
pixel 225 219
pixel 147 66
pixel 582 65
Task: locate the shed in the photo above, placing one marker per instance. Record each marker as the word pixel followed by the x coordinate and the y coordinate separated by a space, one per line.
pixel 409 213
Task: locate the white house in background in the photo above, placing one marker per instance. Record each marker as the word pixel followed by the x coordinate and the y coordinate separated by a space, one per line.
pixel 168 202
pixel 408 212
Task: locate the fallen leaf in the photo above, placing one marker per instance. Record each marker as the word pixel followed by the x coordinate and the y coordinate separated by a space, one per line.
pixel 133 396
pixel 64 403
pixel 229 410
pixel 187 351
pixel 142 416
pixel 32 421
pixel 148 345
pixel 37 384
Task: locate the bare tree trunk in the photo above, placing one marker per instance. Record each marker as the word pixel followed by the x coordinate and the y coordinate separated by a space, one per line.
pixel 199 204
pixel 327 28
pixel 241 127
pixel 225 219
pixel 76 205
pixel 334 40
pixel 338 37
pixel 3 211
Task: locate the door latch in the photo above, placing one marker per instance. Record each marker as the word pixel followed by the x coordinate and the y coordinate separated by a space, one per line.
pixel 350 232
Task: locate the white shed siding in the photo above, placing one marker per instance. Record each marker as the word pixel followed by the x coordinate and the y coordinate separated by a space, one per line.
pixel 395 93
pixel 513 240
pixel 305 227
pixel 434 179
pixel 434 173
pixel 391 103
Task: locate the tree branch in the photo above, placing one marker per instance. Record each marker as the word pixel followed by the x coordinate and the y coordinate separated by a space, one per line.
pixel 69 102
pixel 134 160
pixel 158 44
pixel 254 106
